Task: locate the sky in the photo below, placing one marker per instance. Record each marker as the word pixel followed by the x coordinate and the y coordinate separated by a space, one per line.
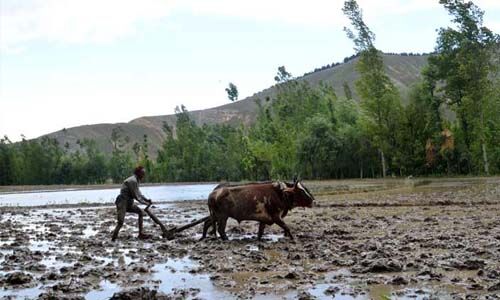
pixel 65 63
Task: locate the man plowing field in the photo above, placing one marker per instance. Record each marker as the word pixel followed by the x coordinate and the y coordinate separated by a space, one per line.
pixel 125 203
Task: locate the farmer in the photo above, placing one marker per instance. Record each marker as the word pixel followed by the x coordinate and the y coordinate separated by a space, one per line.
pixel 125 201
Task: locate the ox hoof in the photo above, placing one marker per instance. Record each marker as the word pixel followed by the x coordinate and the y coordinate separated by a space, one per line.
pixel 143 236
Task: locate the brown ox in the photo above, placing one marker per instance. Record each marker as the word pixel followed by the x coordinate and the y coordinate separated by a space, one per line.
pixel 267 203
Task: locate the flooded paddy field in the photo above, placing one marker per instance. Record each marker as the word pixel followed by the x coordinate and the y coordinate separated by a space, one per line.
pixel 364 239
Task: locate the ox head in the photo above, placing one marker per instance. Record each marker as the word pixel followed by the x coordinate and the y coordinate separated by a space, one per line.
pixel 299 194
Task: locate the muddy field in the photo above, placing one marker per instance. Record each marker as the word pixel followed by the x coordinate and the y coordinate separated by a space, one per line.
pixel 396 239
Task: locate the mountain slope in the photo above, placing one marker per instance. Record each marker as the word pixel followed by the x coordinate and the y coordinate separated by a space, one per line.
pixel 403 71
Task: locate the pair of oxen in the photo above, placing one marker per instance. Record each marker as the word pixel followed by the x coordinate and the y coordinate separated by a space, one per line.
pixel 266 202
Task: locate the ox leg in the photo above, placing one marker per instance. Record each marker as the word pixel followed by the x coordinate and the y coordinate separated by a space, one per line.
pixel 206 226
pixel 282 224
pixel 214 228
pixel 261 230
pixel 221 227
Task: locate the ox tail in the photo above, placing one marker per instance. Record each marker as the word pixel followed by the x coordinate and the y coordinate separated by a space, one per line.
pixel 211 208
pixel 211 203
pixel 212 200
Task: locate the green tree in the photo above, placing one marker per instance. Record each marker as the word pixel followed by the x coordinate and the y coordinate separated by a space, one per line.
pixel 121 163
pixel 347 90
pixel 318 148
pixel 463 60
pixel 7 162
pixel 232 92
pixel 95 167
pixel 492 126
pixel 283 75
pixel 145 161
pixel 380 99
pixel 136 148
pixel 180 156
pixel 419 126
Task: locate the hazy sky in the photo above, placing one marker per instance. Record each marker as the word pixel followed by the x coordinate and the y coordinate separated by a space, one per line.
pixel 65 63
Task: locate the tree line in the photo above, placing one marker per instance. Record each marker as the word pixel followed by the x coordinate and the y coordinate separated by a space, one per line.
pixel 45 161
pixel 349 58
pixel 448 126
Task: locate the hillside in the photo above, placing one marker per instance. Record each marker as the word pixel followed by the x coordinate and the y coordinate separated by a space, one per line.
pixel 403 71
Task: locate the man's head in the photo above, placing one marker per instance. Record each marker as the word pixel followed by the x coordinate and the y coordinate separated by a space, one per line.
pixel 139 172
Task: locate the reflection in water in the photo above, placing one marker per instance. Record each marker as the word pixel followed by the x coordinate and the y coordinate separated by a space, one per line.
pixel 29 293
pixel 175 274
pixel 157 193
pixel 106 291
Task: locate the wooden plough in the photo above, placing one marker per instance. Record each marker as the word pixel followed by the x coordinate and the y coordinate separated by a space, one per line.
pixel 170 233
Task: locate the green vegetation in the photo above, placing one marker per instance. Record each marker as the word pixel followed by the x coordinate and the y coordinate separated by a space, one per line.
pixel 464 62
pixel 380 100
pixel 45 162
pixel 309 130
pixel 232 92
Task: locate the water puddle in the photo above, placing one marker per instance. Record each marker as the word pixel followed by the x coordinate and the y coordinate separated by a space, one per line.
pixel 106 291
pixel 173 276
pixel 375 292
pixel 29 293
pixel 169 277
pixel 273 238
pixel 70 196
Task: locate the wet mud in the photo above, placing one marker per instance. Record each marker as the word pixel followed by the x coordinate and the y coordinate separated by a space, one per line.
pixel 404 239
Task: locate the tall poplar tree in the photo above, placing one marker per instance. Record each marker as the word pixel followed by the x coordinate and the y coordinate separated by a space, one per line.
pixel 380 99
pixel 464 63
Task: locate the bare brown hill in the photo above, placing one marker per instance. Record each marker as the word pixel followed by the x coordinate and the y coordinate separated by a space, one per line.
pixel 402 69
